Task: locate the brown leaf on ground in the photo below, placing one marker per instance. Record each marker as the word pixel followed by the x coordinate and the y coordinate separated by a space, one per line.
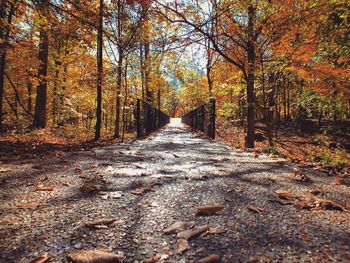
pixel 255 209
pixel 328 205
pixel 305 204
pixel 94 256
pixel 303 178
pixel 99 222
pixel 216 230
pixel 339 181
pixel 209 210
pixel 178 227
pixel 182 246
pixel 153 259
pixel 284 195
pixel 261 259
pixel 210 259
pixel 42 259
pixel 188 234
pixel 4 169
pixel 87 188
pixel 45 188
pixel 283 202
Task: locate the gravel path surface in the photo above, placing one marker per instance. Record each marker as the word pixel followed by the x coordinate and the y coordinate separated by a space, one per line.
pixel 148 185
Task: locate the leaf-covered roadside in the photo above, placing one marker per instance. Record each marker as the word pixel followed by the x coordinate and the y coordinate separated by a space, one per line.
pixel 44 142
pixel 327 152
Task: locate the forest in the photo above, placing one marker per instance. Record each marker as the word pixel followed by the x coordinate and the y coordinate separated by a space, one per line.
pixel 76 68
pixel 174 131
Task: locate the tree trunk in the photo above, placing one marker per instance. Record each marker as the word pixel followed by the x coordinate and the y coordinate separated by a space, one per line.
pixel 250 79
pixel 55 96
pixel 142 64
pixel 29 90
pixel 284 97
pixel 119 86
pixel 147 71
pixel 209 67
pixel 270 109
pixel 124 116
pixel 99 73
pixel 147 59
pixel 41 90
pixel 4 36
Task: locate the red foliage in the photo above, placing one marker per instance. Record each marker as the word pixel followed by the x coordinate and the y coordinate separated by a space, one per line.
pixel 140 2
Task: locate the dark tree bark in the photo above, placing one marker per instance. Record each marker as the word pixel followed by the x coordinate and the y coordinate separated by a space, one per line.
pixel 30 91
pixel 250 78
pixel 55 112
pixel 99 73
pixel 4 36
pixel 142 64
pixel 124 116
pixel 147 59
pixel 119 86
pixel 209 68
pixel 119 72
pixel 41 90
pixel 270 109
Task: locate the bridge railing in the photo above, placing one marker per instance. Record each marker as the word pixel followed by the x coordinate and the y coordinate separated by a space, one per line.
pixel 149 118
pixel 202 118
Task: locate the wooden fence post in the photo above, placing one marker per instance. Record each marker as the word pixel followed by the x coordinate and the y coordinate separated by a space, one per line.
pixel 138 119
pixel 212 118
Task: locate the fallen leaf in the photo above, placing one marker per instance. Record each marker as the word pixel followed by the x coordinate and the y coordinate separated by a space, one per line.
pixel 328 205
pixel 179 226
pixel 153 259
pixel 210 259
pixel 188 234
pixel 87 188
pixel 45 178
pixel 282 202
pixel 255 209
pixel 209 210
pixel 303 178
pixel 45 188
pixel 285 195
pixel 339 181
pixel 182 246
pixel 42 259
pixel 94 256
pixel 4 169
pixel 100 222
pixel 216 230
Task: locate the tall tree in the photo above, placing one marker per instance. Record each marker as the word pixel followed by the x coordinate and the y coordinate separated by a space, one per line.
pixel 6 12
pixel 41 91
pixel 99 72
